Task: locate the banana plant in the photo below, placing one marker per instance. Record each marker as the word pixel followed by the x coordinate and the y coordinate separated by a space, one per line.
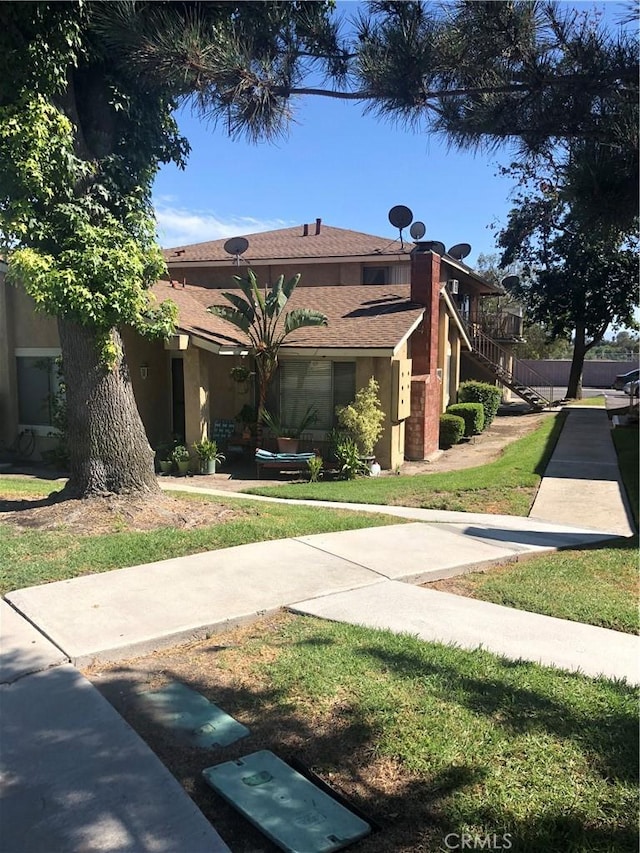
pixel 261 315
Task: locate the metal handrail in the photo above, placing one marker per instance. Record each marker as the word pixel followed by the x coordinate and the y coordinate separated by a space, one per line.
pixel 499 358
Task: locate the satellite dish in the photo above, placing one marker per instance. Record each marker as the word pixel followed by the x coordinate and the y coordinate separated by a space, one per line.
pixel 400 216
pixel 236 245
pixel 510 281
pixel 459 251
pixel 435 246
pixel 417 230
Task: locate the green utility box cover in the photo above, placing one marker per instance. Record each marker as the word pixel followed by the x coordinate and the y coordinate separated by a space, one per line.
pixel 193 717
pixel 288 808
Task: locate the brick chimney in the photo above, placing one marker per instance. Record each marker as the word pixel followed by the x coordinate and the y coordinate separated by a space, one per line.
pixel 425 289
pixel 423 425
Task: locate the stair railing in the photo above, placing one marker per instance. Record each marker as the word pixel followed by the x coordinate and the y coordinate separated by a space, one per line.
pixel 499 359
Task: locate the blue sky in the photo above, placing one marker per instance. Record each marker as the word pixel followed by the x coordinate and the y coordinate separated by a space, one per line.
pixel 347 168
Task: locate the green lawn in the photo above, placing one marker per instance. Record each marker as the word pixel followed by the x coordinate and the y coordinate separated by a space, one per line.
pixel 588 401
pixel 432 739
pixel 626 443
pixel 507 486
pixel 31 557
pixel 597 585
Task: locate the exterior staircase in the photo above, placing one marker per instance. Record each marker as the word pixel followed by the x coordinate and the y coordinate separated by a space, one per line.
pixel 536 391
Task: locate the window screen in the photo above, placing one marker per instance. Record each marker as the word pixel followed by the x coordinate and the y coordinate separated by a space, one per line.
pixel 344 382
pixel 322 384
pixel 304 384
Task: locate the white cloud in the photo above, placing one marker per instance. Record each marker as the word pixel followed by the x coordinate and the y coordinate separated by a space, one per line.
pixel 180 227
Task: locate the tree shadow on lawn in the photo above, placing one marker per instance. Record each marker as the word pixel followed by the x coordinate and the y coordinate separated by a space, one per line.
pixel 24 504
pixel 415 811
pixel 610 737
pixel 405 810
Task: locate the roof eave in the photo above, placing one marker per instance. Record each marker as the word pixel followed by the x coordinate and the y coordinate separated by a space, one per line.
pixel 262 262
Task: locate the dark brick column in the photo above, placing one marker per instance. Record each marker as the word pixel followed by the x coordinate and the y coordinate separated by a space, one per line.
pixel 422 427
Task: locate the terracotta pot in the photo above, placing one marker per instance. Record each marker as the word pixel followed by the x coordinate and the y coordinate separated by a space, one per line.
pixel 288 445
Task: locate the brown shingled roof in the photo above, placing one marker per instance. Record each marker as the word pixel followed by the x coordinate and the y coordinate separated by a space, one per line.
pixel 360 317
pixel 290 243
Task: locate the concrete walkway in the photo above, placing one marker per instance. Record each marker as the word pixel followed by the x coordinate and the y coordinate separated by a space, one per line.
pixel 582 484
pixel 79 779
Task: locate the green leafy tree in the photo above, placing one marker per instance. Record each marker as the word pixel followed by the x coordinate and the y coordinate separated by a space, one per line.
pixel 483 74
pixel 82 134
pixel 87 96
pixel 538 342
pixel 574 282
pixel 263 318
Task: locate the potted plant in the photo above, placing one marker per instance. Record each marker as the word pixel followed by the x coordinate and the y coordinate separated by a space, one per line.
pixel 247 417
pixel 165 462
pixel 288 436
pixel 207 450
pixel 180 455
pixel 363 418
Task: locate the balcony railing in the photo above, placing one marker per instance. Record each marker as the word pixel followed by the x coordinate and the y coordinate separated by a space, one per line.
pixel 500 325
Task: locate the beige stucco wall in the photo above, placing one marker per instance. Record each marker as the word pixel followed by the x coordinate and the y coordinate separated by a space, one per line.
pixel 227 396
pixel 153 393
pixel 30 328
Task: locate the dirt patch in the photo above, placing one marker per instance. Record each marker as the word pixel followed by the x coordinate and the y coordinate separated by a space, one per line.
pixel 484 448
pixel 114 514
pixel 223 668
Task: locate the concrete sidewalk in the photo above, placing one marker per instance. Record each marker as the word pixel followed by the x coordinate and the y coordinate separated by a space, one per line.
pixel 119 614
pixel 78 778
pixel 75 776
pixel 582 483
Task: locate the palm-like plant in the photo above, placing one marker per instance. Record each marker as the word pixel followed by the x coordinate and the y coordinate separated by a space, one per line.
pixel 261 315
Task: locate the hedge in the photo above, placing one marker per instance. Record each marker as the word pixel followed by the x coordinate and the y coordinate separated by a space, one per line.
pixel 472 414
pixel 451 430
pixel 481 392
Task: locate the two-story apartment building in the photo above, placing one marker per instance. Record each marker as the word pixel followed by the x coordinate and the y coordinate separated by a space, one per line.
pixel 402 313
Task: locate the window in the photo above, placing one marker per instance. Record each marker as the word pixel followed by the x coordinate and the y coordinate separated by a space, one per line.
pixel 375 275
pixel 323 384
pixel 394 274
pixel 38 380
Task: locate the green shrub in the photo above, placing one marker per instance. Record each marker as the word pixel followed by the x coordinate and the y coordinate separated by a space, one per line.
pixel 472 414
pixel 363 418
pixel 348 456
pixel 481 392
pixel 315 468
pixel 451 430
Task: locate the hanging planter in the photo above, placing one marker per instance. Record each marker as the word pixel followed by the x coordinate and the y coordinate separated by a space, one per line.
pixel 242 376
pixel 240 373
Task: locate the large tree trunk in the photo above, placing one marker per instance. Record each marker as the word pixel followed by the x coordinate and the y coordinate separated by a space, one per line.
pixel 108 447
pixel 580 349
